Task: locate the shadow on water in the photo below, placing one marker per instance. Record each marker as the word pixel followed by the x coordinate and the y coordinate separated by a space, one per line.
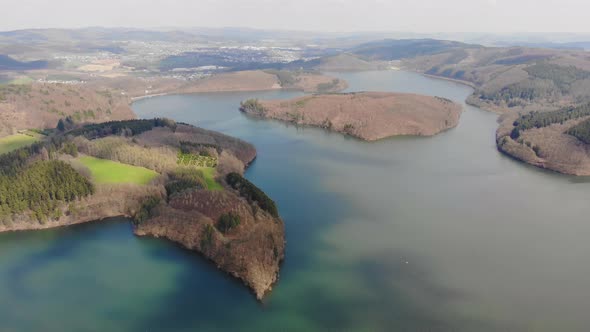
pixel 201 292
pixel 419 302
pixel 64 242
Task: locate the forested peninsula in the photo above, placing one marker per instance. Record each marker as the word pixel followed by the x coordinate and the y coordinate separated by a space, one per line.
pixel 556 140
pixel 369 116
pixel 173 180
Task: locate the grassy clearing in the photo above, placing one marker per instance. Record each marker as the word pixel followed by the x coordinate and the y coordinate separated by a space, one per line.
pixel 209 173
pixel 107 171
pixel 205 164
pixel 13 142
pixel 189 159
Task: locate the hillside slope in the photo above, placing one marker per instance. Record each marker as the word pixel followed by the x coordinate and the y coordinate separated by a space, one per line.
pixel 42 105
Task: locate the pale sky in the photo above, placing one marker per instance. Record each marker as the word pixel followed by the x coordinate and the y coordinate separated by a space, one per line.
pixel 428 16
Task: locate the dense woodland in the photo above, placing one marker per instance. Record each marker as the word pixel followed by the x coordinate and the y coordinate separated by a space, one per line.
pixel 563 77
pixel 546 82
pixel 527 91
pixel 544 119
pixel 13 162
pixel 581 131
pixel 185 179
pixel 41 187
pixel 125 128
pixel 227 222
pixel 252 193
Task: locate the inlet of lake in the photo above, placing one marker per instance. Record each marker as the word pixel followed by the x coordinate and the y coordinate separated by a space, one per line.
pixel 404 234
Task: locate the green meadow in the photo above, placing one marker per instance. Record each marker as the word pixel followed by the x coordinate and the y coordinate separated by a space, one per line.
pixel 13 142
pixel 209 174
pixel 107 171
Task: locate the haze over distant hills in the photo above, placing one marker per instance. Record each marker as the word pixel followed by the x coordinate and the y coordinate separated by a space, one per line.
pixel 254 35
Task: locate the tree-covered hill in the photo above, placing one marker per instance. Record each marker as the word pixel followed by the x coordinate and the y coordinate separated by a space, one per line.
pixel 544 119
pixel 392 49
pixel 508 78
pixel 32 181
pixel 581 131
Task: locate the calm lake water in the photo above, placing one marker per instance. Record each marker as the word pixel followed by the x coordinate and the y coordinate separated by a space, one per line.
pixel 404 234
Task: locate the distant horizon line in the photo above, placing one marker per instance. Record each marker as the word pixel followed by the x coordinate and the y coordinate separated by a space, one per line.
pixel 281 30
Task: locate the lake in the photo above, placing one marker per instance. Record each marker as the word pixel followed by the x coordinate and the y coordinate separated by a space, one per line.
pixel 405 234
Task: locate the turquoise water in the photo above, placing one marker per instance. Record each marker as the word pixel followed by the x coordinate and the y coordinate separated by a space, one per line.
pixel 404 234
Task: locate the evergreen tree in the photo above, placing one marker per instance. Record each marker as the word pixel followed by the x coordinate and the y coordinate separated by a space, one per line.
pixel 61 126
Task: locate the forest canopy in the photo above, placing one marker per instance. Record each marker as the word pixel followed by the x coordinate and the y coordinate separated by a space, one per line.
pixel 252 193
pixel 581 131
pixel 126 128
pixel 544 119
pixel 41 188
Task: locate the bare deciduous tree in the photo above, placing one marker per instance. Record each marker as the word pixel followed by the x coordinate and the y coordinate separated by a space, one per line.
pixel 228 163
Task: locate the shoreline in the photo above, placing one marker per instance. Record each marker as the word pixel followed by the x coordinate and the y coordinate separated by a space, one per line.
pixel 454 80
pixel 55 225
pixel 134 99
